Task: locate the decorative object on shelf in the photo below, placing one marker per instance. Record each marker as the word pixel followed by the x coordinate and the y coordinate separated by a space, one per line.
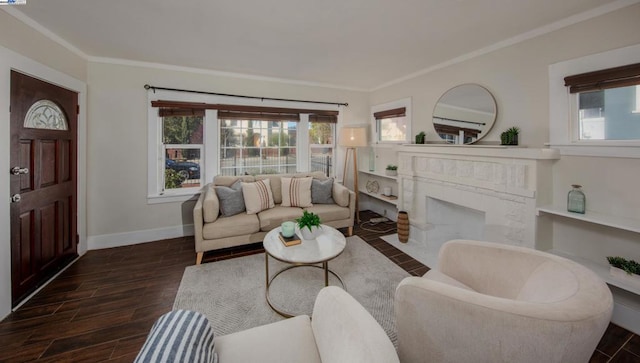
pixel 351 138
pixel 420 137
pixel 625 270
pixel 403 226
pixel 309 225
pixel 510 137
pixel 288 228
pixel 392 170
pixel 386 191
pixel 576 200
pixel 372 186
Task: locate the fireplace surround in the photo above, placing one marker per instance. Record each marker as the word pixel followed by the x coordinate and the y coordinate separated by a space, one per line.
pixel 506 184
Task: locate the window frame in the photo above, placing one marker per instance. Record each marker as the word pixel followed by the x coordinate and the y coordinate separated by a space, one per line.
pixel 376 128
pixel 563 106
pixel 332 146
pixel 211 131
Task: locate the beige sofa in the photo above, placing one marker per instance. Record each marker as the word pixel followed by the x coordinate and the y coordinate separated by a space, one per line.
pixel 489 302
pixel 213 231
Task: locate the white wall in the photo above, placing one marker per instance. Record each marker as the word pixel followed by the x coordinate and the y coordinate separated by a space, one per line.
pixel 19 46
pixel 118 212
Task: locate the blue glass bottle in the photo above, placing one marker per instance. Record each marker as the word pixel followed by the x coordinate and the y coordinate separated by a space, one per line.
pixel 576 200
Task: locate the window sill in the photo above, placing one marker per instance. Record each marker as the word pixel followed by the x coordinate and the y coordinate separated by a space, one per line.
pixel 609 151
pixel 173 197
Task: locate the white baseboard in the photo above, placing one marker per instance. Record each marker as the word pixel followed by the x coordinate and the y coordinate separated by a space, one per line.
pixel 626 317
pixel 135 237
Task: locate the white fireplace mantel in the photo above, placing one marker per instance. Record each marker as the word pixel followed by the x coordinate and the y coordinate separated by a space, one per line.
pixel 507 184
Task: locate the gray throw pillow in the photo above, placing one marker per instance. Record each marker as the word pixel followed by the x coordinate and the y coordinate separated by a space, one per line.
pixel 231 199
pixel 322 191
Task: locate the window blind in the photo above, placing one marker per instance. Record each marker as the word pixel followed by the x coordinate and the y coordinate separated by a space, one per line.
pixel 623 76
pixel 396 112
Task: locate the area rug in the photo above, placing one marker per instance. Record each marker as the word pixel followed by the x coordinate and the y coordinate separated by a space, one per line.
pixel 231 293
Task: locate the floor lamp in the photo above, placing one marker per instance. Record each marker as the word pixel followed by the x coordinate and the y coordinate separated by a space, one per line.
pixel 351 138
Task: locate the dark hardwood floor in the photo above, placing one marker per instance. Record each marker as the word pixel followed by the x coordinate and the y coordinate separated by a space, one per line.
pixel 102 307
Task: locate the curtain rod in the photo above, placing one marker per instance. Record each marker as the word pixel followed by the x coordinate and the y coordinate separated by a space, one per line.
pixel 154 88
pixel 468 122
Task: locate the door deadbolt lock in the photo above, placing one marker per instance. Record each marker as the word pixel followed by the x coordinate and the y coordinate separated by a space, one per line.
pixel 16 170
pixel 16 198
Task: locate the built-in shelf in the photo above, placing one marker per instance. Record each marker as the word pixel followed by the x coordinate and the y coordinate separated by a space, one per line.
pixel 623 223
pixel 380 197
pixel 601 270
pixel 382 175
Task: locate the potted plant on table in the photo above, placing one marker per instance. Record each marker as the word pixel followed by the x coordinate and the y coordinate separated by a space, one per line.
pixel 309 225
pixel 392 170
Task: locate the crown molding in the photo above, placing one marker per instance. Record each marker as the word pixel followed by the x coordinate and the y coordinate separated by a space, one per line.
pixel 574 19
pixel 170 67
pixel 44 31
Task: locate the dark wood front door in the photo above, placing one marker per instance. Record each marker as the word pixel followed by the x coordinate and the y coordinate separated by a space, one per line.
pixel 43 182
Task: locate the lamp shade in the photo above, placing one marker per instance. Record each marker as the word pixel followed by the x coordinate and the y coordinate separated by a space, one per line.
pixel 353 136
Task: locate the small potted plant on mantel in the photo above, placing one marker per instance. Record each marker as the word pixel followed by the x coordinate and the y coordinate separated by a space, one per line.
pixel 510 137
pixel 309 225
pixel 392 170
pixel 625 270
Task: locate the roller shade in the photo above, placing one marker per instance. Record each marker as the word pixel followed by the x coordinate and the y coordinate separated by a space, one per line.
pixel 396 112
pixel 623 76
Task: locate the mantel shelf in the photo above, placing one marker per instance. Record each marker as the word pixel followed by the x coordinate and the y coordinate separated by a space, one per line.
pixel 623 223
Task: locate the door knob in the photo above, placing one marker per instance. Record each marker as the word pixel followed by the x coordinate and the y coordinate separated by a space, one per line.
pixel 16 198
pixel 16 170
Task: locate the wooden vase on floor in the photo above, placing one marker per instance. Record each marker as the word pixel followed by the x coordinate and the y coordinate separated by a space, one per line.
pixel 403 227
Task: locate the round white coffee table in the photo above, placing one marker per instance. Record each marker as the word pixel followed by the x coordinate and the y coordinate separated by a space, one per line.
pixel 313 252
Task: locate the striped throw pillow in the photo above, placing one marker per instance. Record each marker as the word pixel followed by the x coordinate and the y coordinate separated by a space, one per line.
pixel 257 196
pixel 296 192
pixel 179 336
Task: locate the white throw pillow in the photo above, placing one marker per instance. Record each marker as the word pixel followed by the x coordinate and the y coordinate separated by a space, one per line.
pixel 257 196
pixel 296 192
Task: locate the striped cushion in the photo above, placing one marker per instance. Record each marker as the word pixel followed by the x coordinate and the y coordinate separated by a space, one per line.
pixel 257 196
pixel 296 192
pixel 179 336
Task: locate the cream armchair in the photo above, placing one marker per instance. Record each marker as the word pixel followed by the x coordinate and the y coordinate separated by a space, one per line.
pixel 488 302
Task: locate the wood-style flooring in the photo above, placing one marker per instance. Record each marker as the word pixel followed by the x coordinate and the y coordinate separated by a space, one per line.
pixel 102 307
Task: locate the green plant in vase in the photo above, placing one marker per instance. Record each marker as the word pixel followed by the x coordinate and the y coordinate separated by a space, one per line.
pixel 309 225
pixel 628 266
pixel 420 137
pixel 391 170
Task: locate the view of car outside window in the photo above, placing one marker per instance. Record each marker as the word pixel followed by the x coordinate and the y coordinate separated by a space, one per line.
pixel 182 138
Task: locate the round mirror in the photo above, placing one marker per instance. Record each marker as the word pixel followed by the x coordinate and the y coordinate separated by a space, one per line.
pixel 464 114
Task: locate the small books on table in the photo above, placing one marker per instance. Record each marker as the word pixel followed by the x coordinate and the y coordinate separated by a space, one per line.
pixel 290 241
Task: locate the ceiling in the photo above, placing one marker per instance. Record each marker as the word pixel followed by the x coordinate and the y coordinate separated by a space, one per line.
pixel 358 44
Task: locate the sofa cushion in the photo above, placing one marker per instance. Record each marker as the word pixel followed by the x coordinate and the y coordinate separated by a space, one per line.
pixel 329 212
pixel 341 195
pixel 322 191
pixel 296 192
pixel 179 336
pixel 231 199
pixel 228 180
pixel 289 340
pixel 272 218
pixel 257 196
pixel 238 225
pixel 210 206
